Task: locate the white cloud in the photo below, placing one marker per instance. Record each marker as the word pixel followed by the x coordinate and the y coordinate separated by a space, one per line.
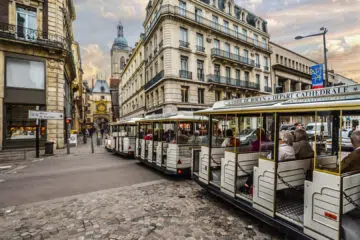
pixel 95 62
pixel 353 40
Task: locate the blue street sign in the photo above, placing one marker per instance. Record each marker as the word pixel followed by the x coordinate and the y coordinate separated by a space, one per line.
pixel 317 76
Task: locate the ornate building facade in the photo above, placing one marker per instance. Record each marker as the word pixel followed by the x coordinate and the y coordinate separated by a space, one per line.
pixel 37 69
pixel 197 52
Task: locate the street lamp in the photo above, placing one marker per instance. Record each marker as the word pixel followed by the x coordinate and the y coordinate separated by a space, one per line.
pixel 323 33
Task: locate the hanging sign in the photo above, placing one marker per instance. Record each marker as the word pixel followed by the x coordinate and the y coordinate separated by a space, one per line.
pixel 317 76
pixel 45 115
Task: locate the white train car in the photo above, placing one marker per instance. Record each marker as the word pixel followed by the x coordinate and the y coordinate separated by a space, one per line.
pixel 168 141
pixel 301 187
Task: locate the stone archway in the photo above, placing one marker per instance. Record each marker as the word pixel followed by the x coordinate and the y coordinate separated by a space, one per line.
pixel 101 121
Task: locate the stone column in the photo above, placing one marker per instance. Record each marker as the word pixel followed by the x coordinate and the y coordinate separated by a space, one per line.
pixel 298 86
pixel 288 85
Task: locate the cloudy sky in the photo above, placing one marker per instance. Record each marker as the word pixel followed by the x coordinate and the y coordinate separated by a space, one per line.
pixel 95 29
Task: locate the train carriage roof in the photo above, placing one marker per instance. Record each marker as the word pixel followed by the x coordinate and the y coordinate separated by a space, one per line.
pixel 341 97
pixel 173 117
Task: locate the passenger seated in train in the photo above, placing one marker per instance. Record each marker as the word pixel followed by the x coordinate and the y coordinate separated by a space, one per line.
pixel 301 145
pixel 182 137
pixel 230 140
pixel 286 149
pixel 352 161
pixel 148 135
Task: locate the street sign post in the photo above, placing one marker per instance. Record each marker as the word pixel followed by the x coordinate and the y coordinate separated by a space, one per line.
pixel 45 115
pixel 41 115
pixel 317 76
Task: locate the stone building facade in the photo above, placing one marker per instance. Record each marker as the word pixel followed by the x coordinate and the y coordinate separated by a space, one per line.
pixel 290 70
pixel 37 68
pixel 79 95
pixel 131 89
pixel 197 52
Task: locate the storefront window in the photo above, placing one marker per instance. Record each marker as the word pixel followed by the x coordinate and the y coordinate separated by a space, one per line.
pixel 25 74
pixel 19 126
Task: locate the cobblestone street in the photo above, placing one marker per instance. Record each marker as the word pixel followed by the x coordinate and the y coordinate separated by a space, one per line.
pixel 161 209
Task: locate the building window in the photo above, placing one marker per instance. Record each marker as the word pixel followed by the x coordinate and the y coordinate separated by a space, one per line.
pixel 198 15
pixel 266 81
pixel 244 34
pixel 183 37
pixel 215 20
pixel 200 42
pixel 256 40
pixel 201 95
pixel 156 68
pixel 277 58
pixel 217 95
pixel 200 70
pixel 26 23
pixel 216 44
pixel 236 31
pixel 281 59
pixel 266 63
pixel 182 8
pixel 226 26
pixel 184 63
pixel 217 70
pixel 246 54
pixel 184 94
pixel 246 76
pixel 18 127
pixel 257 60
pixel 237 74
pixel 25 74
pixel 228 74
pixel 102 97
pixel 237 51
pixel 257 78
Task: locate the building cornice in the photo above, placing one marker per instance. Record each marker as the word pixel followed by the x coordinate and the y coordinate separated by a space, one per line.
pixel 286 49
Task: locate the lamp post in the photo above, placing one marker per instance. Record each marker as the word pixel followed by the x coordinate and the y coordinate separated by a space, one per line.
pixel 322 33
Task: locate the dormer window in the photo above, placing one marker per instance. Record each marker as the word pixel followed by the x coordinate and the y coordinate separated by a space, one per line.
pixel 229 8
pixel 242 16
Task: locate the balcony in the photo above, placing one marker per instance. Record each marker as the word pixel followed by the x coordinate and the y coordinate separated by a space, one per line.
pixel 257 65
pixel 20 33
pixel 154 80
pixel 218 53
pixel 185 74
pixel 212 78
pixel 184 44
pixel 268 89
pixel 200 49
pixel 204 22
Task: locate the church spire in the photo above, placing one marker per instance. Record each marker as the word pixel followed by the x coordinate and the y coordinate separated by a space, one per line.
pixel 120 29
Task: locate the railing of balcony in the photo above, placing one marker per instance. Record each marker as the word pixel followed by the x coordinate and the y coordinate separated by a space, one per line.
pixel 154 80
pixel 268 89
pixel 232 82
pixel 266 68
pixel 184 44
pixel 30 35
pixel 185 74
pixel 224 54
pixel 200 48
pixel 257 65
pixel 174 10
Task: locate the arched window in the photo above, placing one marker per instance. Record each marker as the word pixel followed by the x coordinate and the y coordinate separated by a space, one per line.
pixel 102 89
pixel 122 62
pixel 243 16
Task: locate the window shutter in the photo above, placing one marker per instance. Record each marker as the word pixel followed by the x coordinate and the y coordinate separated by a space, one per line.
pixel 46 19
pixel 4 11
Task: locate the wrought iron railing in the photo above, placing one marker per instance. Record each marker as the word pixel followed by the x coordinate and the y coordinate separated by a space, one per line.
pixel 268 89
pixel 183 13
pixel 257 65
pixel 200 48
pixel 21 33
pixel 154 80
pixel 185 74
pixel 212 78
pixel 224 54
pixel 184 44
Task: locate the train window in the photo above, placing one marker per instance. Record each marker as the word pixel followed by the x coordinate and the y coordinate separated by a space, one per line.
pixel 169 133
pixel 266 134
pixel 325 134
pixel 249 128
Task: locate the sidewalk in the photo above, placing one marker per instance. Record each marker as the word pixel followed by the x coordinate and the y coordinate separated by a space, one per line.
pixel 79 150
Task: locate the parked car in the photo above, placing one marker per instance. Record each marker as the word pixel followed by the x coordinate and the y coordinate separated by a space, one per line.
pixel 247 136
pixel 346 144
pixel 287 127
pixel 316 128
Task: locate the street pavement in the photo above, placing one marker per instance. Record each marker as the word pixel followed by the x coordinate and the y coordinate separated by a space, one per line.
pixel 102 196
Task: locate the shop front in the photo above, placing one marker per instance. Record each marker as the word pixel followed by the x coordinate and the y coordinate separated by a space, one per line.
pixel 24 90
